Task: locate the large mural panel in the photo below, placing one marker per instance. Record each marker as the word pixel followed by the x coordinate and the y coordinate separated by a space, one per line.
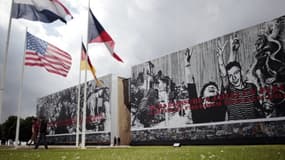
pixel 236 77
pixel 60 108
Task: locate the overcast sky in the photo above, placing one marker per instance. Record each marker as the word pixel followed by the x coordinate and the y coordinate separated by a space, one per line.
pixel 142 29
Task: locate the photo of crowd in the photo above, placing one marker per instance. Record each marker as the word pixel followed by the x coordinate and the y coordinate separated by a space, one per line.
pixel 239 76
pixel 60 108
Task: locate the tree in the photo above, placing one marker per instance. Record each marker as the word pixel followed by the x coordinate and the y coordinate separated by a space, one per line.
pixel 1 132
pixel 26 129
pixel 9 128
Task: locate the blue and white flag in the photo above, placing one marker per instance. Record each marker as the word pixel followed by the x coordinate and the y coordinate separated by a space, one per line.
pixel 45 11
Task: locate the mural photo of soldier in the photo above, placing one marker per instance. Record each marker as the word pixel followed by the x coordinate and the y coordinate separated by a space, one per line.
pixel 98 107
pixel 142 99
pixel 62 118
pixel 91 107
pixel 149 89
pixel 155 99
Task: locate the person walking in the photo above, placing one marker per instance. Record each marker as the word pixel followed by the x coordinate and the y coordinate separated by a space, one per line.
pixel 35 131
pixel 43 133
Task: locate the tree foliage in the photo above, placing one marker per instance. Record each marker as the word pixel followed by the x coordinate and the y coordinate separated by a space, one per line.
pixel 8 129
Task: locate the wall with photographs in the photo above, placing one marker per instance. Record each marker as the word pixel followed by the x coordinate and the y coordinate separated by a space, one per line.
pixel 60 110
pixel 235 78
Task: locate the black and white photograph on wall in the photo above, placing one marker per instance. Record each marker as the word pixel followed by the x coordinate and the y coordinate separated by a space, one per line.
pixel 238 76
pixel 60 108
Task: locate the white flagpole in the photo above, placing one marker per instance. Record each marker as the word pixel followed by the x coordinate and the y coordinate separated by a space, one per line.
pixel 84 110
pixel 85 89
pixel 20 94
pixel 78 102
pixel 3 77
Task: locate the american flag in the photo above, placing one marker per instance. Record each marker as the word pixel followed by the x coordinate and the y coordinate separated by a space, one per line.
pixel 42 54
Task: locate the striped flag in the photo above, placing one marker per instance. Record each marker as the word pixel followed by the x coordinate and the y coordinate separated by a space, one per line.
pixel 42 54
pixel 97 34
pixel 87 64
pixel 45 11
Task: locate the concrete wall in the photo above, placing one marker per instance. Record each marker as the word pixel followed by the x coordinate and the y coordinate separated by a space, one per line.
pixel 124 118
pixel 267 132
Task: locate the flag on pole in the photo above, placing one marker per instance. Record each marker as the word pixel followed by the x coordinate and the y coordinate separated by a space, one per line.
pixel 43 54
pixel 97 34
pixel 86 64
pixel 45 11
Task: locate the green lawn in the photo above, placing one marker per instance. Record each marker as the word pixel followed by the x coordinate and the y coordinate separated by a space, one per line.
pixel 256 152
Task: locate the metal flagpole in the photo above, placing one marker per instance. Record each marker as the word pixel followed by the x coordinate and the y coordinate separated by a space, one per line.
pixel 85 88
pixel 3 77
pixel 20 94
pixel 78 102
